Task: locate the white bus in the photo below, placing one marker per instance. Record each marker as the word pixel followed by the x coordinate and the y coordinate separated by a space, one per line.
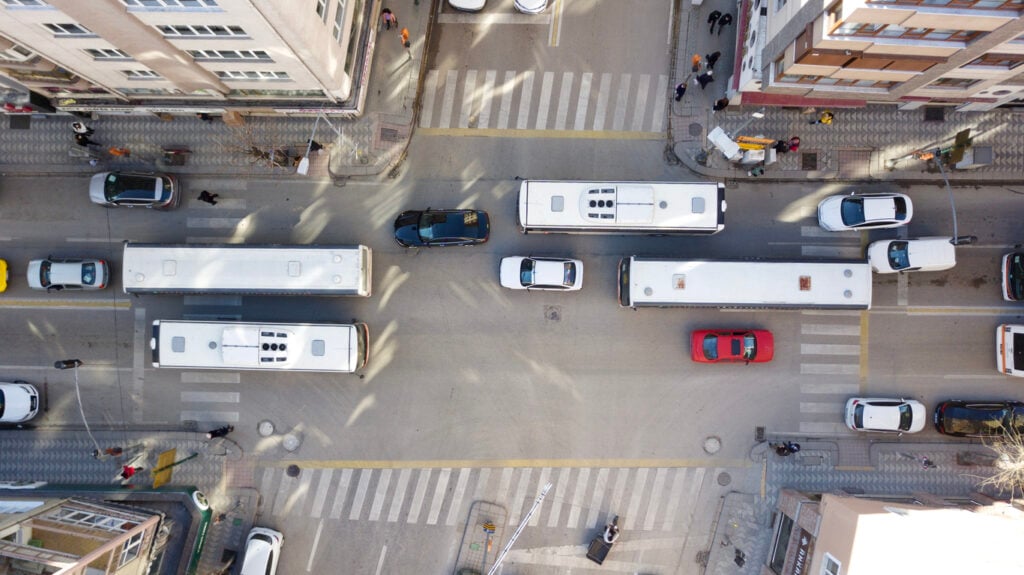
pixel 655 208
pixel 186 344
pixel 246 270
pixel 792 284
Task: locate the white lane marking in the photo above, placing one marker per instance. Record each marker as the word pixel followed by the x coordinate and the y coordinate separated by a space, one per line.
pixel 267 483
pixel 380 493
pixel 209 416
pixel 542 480
pixel 439 491
pixel 832 251
pixel 140 339
pixel 455 511
pixel 516 504
pixel 828 349
pixel 481 483
pixel 341 493
pixel 563 100
pixel 486 92
pixel 655 501
pixel 380 562
pixel 469 96
pixel 523 118
pixel 399 497
pixel 621 103
pixel 430 88
pixel 582 101
pixel 830 388
pixel 830 329
pixel 281 496
pixel 641 102
pixel 210 397
pixel 316 545
pixel 321 492
pixel 86 240
pixel 671 18
pixel 361 489
pixel 637 495
pixel 505 111
pixel 902 289
pixel 620 489
pixel 417 497
pixel 582 478
pixel 811 407
pixel 818 232
pixel 504 485
pixel 690 503
pixel 678 481
pixel 544 103
pixel 210 377
pixel 216 223
pixel 658 112
pixel 297 497
pixel 451 78
pixel 557 501
pixel 822 427
pixel 600 486
pixel 489 18
pixel 601 109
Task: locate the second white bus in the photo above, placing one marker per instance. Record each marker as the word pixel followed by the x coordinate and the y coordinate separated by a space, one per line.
pixel 789 284
pixel 654 208
pixel 186 344
pixel 246 269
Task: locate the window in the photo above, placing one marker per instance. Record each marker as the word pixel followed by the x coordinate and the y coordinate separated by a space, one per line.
pixel 107 54
pixel 896 31
pixel 16 53
pixel 131 549
pixel 12 506
pixel 251 75
pixel 229 55
pixel 199 30
pixel 24 3
pixel 140 74
pixel 67 29
pixel 321 9
pixel 953 83
pixel 977 4
pixel 317 94
pixel 162 4
pixel 1008 61
pixel 830 565
pixel 339 20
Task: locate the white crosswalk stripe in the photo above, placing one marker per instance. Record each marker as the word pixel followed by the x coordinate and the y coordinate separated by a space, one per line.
pixel 569 101
pixel 647 499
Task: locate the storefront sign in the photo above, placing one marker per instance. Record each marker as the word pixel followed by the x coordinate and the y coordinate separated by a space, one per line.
pixel 800 563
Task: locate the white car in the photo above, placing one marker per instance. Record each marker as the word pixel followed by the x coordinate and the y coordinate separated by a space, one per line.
pixel 529 273
pixel 262 552
pixel 531 6
pixel 19 402
pixel 60 274
pixel 917 255
pixel 467 5
pixel 1010 349
pixel 889 415
pixel 864 212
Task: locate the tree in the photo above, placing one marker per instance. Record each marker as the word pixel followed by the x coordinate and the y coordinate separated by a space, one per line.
pixel 1009 463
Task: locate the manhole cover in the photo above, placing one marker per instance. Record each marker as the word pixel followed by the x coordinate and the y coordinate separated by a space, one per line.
pixel 935 114
pixel 696 129
pixel 553 312
pixel 809 161
pixel 712 445
pixel 724 479
pixel 293 471
pixel 291 442
pixel 389 134
pixel 265 428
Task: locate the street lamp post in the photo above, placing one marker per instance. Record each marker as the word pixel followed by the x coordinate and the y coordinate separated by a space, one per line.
pixel 303 168
pixel 753 116
pixel 74 364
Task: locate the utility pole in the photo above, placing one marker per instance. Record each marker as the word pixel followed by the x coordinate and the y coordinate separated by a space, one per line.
pixel 522 525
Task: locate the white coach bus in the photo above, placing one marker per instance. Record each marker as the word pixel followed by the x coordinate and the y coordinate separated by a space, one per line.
pixel 186 344
pixel 246 269
pixel 790 284
pixel 654 208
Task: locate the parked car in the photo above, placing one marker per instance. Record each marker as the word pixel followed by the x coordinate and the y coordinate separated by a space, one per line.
pixel 534 273
pixel 262 552
pixel 5 274
pixel 19 402
pixel 531 6
pixel 864 211
pixel 133 190
pixel 1010 349
pixel 979 418
pixel 917 255
pixel 1013 276
pixel 893 415
pixel 467 5
pixel 429 228
pixel 717 345
pixel 73 273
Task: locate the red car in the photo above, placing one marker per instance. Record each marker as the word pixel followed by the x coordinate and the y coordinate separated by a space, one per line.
pixel 724 345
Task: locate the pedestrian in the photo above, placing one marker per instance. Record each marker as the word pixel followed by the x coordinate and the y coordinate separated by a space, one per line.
pixel 80 128
pixel 720 104
pixel 119 152
pixel 83 140
pixel 220 432
pixel 696 62
pixel 780 147
pixel 780 449
pixel 314 146
pixel 755 172
pixel 794 143
pixel 680 91
pixel 712 58
pixel 129 470
pixel 705 79
pixel 405 38
pixel 207 197
pixel 826 118
pixel 791 446
pixel 389 18
pixel 205 117
pixel 724 21
pixel 712 18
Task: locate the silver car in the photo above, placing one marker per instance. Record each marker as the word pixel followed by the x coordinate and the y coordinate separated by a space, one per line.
pixel 134 190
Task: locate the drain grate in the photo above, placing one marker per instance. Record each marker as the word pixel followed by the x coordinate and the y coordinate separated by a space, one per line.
pixel 809 161
pixel 759 433
pixel 935 114
pixel 389 134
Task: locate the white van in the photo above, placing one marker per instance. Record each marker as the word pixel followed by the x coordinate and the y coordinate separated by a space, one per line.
pixel 262 552
pixel 917 255
pixel 1010 349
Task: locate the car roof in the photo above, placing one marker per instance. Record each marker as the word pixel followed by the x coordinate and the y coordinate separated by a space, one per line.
pixel 879 209
pixel 548 272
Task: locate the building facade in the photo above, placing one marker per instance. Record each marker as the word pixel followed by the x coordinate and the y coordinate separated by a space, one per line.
pixel 120 56
pixel 963 53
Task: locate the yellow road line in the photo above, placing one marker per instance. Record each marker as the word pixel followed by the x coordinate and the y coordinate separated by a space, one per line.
pixel 565 134
pixel 55 303
pixel 473 463
pixel 556 24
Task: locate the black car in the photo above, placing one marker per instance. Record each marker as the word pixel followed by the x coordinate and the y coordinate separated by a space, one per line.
pixel 418 228
pixel 979 418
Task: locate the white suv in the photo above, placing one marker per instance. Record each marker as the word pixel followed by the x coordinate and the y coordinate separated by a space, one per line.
pixel 918 255
pixel 262 552
pixel 19 402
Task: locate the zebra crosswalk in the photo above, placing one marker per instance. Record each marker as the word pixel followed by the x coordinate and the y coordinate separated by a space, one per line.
pixel 647 499
pixel 530 100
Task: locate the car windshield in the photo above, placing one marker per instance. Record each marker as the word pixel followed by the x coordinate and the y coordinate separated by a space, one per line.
pixel 749 346
pixel 44 274
pixel 900 204
pixel 711 346
pixel 448 225
pixel 120 186
pixel 852 211
pixel 89 274
pixel 899 257
pixel 526 272
pixel 570 274
pixel 3 402
pixel 976 421
pixel 1015 276
pixel 906 417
